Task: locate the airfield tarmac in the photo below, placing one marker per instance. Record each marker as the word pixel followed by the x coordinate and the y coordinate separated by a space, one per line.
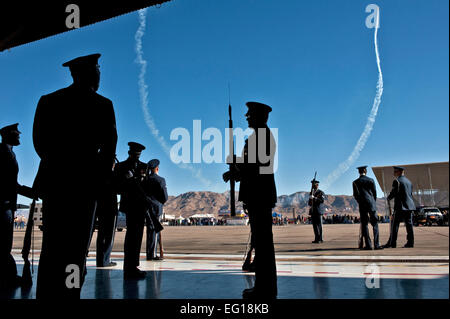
pixel 339 240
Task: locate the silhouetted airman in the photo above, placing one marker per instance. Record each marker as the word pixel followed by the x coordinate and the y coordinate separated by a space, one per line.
pixel 258 193
pixel 316 199
pixel 75 136
pixel 365 193
pixel 9 188
pixel 129 176
pixel 403 207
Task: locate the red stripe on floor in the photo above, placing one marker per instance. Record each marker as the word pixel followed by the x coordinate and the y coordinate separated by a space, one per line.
pixel 326 272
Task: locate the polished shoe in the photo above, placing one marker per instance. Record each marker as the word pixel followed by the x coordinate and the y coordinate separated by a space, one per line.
pixel 250 267
pixel 379 247
pixel 315 241
pixel 155 258
pixel 253 293
pixel 110 264
pixel 367 248
pixel 134 274
pixel 16 282
pixel 408 245
pixel 390 246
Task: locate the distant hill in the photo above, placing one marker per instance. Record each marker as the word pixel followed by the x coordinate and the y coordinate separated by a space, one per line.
pixel 190 203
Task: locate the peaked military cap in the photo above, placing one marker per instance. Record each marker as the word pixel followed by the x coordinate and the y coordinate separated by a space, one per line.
pixel 315 181
pixel 399 168
pixel 154 163
pixel 258 107
pixel 9 128
pixel 362 168
pixel 83 61
pixel 136 147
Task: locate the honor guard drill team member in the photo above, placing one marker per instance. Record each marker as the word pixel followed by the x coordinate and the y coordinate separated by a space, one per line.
pixel 75 136
pixel 316 199
pixel 254 171
pixel 9 188
pixel 129 175
pixel 403 207
pixel 155 187
pixel 365 193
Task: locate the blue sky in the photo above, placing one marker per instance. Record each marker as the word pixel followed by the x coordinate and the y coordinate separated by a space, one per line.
pixel 312 61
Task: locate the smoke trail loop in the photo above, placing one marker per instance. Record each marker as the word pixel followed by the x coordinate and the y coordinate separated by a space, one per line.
pixel 344 166
pixel 143 93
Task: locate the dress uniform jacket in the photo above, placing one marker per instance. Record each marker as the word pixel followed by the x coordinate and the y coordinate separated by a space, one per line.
pixel 402 194
pixel 257 182
pixel 365 193
pixel 316 204
pixel 74 133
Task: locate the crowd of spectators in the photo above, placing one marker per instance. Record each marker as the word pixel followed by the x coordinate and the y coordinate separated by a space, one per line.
pixel 445 216
pixel 20 222
pixel 339 219
pixel 301 219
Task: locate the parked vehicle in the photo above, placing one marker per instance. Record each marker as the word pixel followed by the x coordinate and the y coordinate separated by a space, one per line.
pixel 428 216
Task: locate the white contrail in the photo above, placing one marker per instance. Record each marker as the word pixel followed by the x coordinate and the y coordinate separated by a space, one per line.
pixel 344 166
pixel 143 93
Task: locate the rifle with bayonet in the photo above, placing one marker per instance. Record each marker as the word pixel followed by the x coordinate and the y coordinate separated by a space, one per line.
pixel 311 193
pixel 27 278
pixel 233 160
pixel 391 221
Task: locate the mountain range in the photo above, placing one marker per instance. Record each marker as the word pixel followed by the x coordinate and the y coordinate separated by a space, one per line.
pixel 203 202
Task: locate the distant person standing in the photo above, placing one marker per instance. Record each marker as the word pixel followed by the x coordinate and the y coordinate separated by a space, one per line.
pixel 365 193
pixel 9 188
pixel 21 222
pixel 316 199
pixel 155 188
pixel 258 193
pixel 75 136
pixel 129 175
pixel 403 208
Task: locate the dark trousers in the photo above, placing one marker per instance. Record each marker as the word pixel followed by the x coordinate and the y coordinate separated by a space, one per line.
pixel 107 219
pixel 8 269
pixel 262 241
pixel 316 220
pixel 399 216
pixel 365 218
pixel 151 240
pixel 133 239
pixel 67 229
